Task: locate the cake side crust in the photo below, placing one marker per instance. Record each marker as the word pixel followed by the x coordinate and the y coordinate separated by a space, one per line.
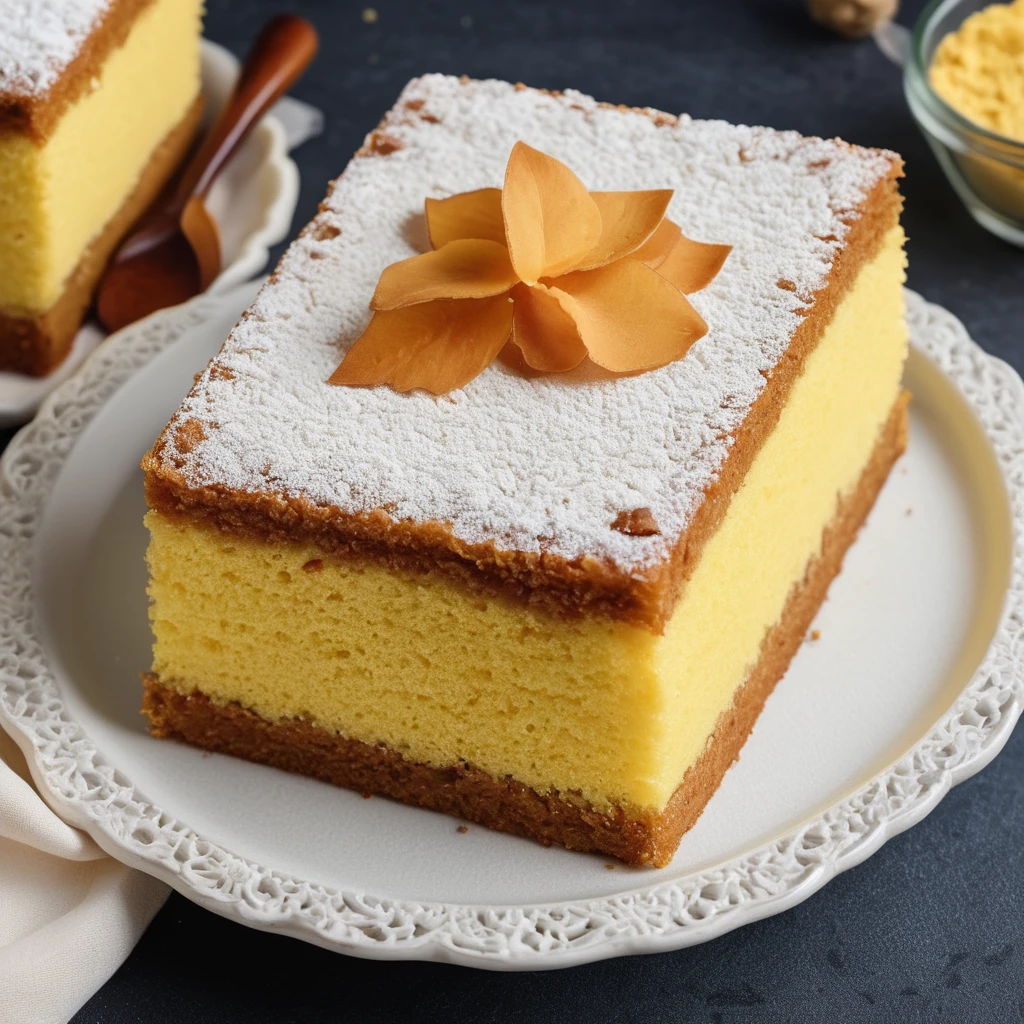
pixel 36 113
pixel 879 213
pixel 635 837
pixel 36 345
pixel 591 585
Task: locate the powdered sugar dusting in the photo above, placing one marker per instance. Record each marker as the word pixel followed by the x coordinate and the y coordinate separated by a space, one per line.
pixel 548 463
pixel 40 38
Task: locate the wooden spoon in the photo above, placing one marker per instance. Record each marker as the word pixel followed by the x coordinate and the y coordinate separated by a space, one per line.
pixel 174 253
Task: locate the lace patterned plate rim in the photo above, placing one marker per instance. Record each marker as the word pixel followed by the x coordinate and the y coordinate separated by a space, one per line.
pixel 656 910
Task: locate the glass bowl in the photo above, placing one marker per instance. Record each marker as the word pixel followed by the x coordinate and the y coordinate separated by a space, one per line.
pixel 986 169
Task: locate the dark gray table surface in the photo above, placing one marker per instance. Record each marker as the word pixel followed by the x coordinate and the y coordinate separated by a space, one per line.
pixel 930 928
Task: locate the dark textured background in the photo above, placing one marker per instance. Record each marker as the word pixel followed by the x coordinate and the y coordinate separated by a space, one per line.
pixel 930 928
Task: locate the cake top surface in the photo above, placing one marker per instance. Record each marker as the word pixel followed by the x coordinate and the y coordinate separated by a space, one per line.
pixel 541 464
pixel 40 39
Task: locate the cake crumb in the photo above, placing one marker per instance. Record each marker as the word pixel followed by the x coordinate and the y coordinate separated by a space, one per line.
pixel 189 434
pixel 815 634
pixel 366 796
pixel 640 522
pixel 462 830
pixel 609 867
pixel 370 15
pixel 909 512
pixel 380 144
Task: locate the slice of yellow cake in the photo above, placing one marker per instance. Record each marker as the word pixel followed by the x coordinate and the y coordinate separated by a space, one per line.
pixel 553 604
pixel 99 100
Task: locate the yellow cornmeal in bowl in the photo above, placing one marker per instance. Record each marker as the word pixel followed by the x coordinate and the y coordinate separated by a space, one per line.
pixel 604 710
pixel 979 69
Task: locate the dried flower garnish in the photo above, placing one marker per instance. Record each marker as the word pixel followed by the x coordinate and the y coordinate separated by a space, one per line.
pixel 541 264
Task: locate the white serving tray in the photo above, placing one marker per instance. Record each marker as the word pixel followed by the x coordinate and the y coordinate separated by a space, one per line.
pixel 914 684
pixel 252 201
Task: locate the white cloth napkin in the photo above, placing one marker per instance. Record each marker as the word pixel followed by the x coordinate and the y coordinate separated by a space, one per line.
pixel 69 914
pixel 301 121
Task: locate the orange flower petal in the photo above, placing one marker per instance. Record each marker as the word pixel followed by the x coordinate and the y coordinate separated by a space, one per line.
pixel 691 265
pixel 439 346
pixel 468 268
pixel 654 251
pixel 512 356
pixel 628 219
pixel 466 215
pixel 629 316
pixel 545 333
pixel 551 222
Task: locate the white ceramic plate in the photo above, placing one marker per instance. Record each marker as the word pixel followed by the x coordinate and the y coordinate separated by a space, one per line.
pixel 914 684
pixel 252 201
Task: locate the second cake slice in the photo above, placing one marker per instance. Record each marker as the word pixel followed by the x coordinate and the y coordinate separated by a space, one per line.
pixel 99 101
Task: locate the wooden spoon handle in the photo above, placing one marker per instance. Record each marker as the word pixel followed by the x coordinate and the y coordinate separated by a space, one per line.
pixel 281 52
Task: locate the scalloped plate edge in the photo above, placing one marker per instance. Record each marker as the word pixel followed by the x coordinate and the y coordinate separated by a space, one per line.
pixel 698 907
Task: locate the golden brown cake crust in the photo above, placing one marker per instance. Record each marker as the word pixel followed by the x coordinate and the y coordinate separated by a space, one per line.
pixel 37 115
pixel 586 585
pixel 510 806
pixel 36 345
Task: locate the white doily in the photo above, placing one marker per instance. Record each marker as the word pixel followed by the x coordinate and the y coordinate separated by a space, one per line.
pixel 98 797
